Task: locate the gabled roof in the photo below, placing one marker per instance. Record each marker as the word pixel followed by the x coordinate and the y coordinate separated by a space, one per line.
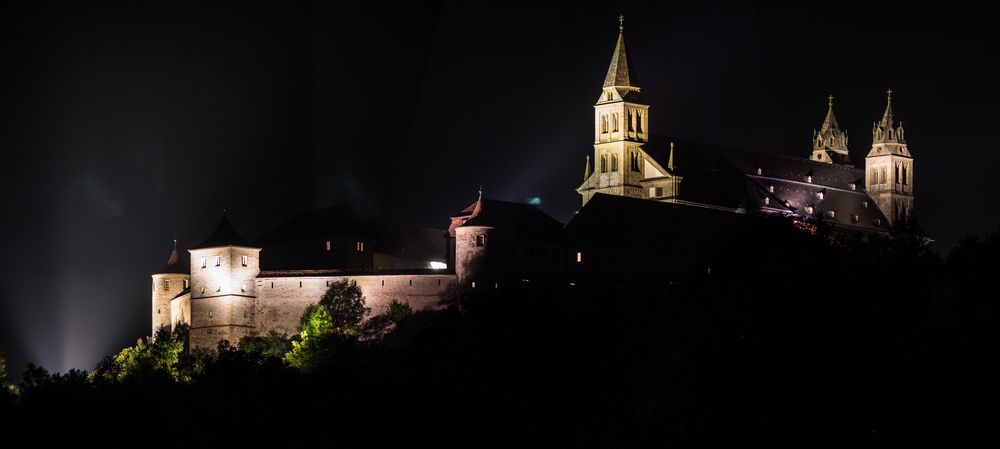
pixel 321 223
pixel 223 235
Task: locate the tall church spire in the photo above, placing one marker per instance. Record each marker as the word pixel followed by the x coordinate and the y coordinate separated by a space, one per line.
pixel 830 143
pixel 620 74
pixel 887 116
pixel 830 122
pixel 886 130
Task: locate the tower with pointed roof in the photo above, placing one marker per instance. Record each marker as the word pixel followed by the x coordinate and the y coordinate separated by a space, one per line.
pixel 621 130
pixel 171 282
pixel 830 142
pixel 889 168
pixel 224 270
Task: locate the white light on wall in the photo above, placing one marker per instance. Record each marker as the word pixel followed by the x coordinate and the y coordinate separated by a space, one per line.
pixel 438 265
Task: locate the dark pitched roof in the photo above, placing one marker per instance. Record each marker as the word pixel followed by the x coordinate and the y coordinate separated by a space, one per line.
pixel 522 220
pixel 175 263
pixel 223 235
pixel 729 178
pixel 321 223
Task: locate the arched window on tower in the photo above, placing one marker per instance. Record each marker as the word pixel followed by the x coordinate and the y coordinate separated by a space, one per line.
pixel 631 117
pixel 638 122
pixel 604 124
pixel 881 176
pixel 614 122
pixel 905 181
pixel 614 162
pixel 874 177
pixel 895 173
pixel 604 164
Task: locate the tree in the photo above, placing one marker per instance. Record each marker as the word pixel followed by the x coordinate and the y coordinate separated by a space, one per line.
pixel 346 306
pixel 3 369
pixel 308 352
pixel 150 357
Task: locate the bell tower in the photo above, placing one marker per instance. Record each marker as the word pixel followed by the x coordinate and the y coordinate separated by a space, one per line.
pixel 621 128
pixel 889 168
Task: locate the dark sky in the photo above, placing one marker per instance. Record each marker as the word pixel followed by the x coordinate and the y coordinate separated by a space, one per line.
pixel 122 125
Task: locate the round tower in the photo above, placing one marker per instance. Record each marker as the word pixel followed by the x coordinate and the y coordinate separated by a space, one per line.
pixel 171 281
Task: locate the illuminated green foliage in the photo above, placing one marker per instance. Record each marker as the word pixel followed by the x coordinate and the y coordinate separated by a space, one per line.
pixel 151 357
pixel 308 352
pixel 397 311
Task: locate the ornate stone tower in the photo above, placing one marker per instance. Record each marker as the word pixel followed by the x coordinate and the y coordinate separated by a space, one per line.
pixel 224 269
pixel 889 168
pixel 621 128
pixel 171 281
pixel 830 143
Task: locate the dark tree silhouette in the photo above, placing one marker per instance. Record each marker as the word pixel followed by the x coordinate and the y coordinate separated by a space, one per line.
pixel 346 305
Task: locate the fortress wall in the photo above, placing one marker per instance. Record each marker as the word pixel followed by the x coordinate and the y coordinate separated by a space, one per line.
pixel 215 318
pixel 281 300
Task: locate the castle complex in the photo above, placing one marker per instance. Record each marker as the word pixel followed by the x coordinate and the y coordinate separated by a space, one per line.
pixel 227 287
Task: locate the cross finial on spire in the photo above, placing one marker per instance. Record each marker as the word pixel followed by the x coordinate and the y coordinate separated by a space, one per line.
pixel 889 94
pixel 621 22
pixel 829 100
pixel 480 191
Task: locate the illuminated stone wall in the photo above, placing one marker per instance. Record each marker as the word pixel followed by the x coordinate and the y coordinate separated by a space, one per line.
pixel 165 287
pixel 180 310
pixel 223 293
pixel 281 300
pixel 469 258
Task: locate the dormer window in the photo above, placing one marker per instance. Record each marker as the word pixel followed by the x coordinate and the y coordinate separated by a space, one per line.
pixel 770 189
pixel 759 171
pixel 830 213
pixel 819 195
pixel 854 186
pixel 878 221
pixel 855 218
pixel 809 179
pixel 767 201
pixel 809 210
pixel 864 204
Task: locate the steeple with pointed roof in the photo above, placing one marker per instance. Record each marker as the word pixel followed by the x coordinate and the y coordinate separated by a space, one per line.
pixel 830 142
pixel 620 83
pixel 889 167
pixel 884 130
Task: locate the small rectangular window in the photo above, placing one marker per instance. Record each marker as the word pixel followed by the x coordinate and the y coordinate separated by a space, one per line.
pixel 204 262
pixel 579 257
pixel 218 261
pixel 187 284
pixel 360 247
pixel 327 245
pixel 481 240
pixel 244 260
pixel 209 314
pixel 166 285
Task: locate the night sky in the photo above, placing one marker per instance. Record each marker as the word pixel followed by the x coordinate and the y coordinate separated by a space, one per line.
pixel 123 125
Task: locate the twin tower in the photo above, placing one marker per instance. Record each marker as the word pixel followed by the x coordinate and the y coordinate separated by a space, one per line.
pixel 624 165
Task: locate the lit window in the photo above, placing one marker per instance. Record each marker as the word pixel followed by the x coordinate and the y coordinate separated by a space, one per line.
pixel 243 259
pixel 204 262
pixel 614 162
pixel 854 186
pixel 809 209
pixel 209 314
pixel 359 246
pixel 809 179
pixel 166 285
pixel 831 213
pixel 819 195
pixel 187 284
pixel 579 257
pixel 481 240
pixel 770 189
pixel 767 201
pixel 473 284
pixel 864 204
pixel 759 171
pixel 327 245
pixel 218 261
pixel 855 218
